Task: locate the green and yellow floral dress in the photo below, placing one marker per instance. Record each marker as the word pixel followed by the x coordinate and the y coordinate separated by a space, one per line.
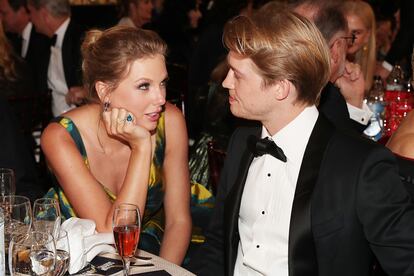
pixel 152 228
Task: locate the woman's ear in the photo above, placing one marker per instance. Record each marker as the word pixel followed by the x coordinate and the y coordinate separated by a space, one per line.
pixel 102 90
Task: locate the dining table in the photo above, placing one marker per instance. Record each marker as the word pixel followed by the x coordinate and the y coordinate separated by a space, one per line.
pixel 142 264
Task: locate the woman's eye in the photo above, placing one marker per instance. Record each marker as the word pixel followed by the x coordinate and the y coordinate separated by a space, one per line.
pixel 164 83
pixel 144 86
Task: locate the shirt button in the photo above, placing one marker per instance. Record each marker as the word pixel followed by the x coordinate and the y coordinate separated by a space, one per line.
pixel 263 212
pixel 268 174
pixel 362 119
pixel 257 246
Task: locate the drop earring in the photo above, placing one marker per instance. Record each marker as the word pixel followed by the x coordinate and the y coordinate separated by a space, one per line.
pixel 106 106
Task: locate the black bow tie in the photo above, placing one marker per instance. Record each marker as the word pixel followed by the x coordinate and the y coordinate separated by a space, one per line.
pixel 265 146
pixel 53 40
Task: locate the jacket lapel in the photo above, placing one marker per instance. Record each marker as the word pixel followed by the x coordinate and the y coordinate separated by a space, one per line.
pixel 302 254
pixel 232 209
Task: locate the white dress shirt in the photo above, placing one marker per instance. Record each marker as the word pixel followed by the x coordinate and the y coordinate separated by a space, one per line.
pixel 361 115
pixel 26 39
pixel 56 80
pixel 126 21
pixel 267 200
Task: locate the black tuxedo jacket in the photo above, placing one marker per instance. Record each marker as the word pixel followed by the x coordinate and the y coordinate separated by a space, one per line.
pixel 333 105
pixel 71 55
pixel 349 204
pixel 38 47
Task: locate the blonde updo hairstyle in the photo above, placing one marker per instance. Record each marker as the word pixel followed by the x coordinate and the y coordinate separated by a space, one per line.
pixel 108 55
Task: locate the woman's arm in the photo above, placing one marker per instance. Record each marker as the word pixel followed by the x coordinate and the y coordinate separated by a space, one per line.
pixel 82 189
pixel 177 188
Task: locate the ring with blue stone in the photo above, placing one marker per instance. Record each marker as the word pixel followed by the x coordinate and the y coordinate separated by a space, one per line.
pixel 129 118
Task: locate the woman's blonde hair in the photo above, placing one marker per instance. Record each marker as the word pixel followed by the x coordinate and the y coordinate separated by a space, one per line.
pixel 366 56
pixel 283 46
pixel 108 55
pixel 7 66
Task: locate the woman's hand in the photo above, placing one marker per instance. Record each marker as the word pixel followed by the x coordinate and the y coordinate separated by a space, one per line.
pixel 121 123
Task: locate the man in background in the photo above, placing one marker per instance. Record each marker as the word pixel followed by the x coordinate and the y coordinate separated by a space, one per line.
pixel 27 43
pixel 60 68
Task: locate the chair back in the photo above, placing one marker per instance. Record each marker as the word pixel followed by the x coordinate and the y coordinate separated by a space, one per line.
pixel 215 163
pixel 177 85
pixel 33 113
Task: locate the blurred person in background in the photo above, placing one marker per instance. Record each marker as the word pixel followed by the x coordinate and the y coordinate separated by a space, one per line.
pixel 15 76
pixel 361 24
pixel 402 46
pixel 342 98
pixel 60 66
pixel 26 41
pixel 135 13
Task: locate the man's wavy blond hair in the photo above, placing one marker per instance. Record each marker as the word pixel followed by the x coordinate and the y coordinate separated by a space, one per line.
pixel 283 46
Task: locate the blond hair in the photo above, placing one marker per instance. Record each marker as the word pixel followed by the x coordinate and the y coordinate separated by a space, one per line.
pixel 366 56
pixel 283 46
pixel 107 55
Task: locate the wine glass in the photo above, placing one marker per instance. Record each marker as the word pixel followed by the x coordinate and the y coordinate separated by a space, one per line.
pixel 7 182
pixel 126 226
pixel 46 216
pixel 33 254
pixel 17 219
pixel 62 254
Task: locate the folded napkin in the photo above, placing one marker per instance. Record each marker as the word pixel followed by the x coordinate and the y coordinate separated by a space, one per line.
pixel 85 243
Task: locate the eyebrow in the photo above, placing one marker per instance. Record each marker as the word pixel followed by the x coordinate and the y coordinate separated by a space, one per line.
pixel 234 69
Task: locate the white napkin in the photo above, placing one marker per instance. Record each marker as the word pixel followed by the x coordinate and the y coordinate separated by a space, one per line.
pixel 85 243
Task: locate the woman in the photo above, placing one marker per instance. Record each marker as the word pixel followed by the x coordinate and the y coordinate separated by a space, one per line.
pixel 127 144
pixel 401 144
pixel 402 141
pixel 361 23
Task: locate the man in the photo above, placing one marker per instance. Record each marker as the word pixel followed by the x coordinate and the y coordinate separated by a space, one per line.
pixel 324 202
pixel 136 13
pixel 60 70
pixel 26 42
pixel 342 98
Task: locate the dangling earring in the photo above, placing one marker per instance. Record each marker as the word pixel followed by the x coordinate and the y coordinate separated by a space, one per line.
pixel 106 106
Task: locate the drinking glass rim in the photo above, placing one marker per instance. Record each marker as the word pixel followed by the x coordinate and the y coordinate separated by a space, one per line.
pixel 23 239
pixel 37 200
pixel 23 200
pixel 124 206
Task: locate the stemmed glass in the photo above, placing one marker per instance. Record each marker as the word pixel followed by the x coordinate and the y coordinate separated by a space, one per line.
pixel 33 254
pixel 126 226
pixel 46 216
pixel 7 182
pixel 62 254
pixel 17 218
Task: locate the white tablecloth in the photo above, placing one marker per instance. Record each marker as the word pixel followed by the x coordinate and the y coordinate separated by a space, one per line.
pixel 159 264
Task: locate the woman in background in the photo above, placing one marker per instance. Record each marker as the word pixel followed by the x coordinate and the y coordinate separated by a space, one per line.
pixel 361 23
pixel 127 145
